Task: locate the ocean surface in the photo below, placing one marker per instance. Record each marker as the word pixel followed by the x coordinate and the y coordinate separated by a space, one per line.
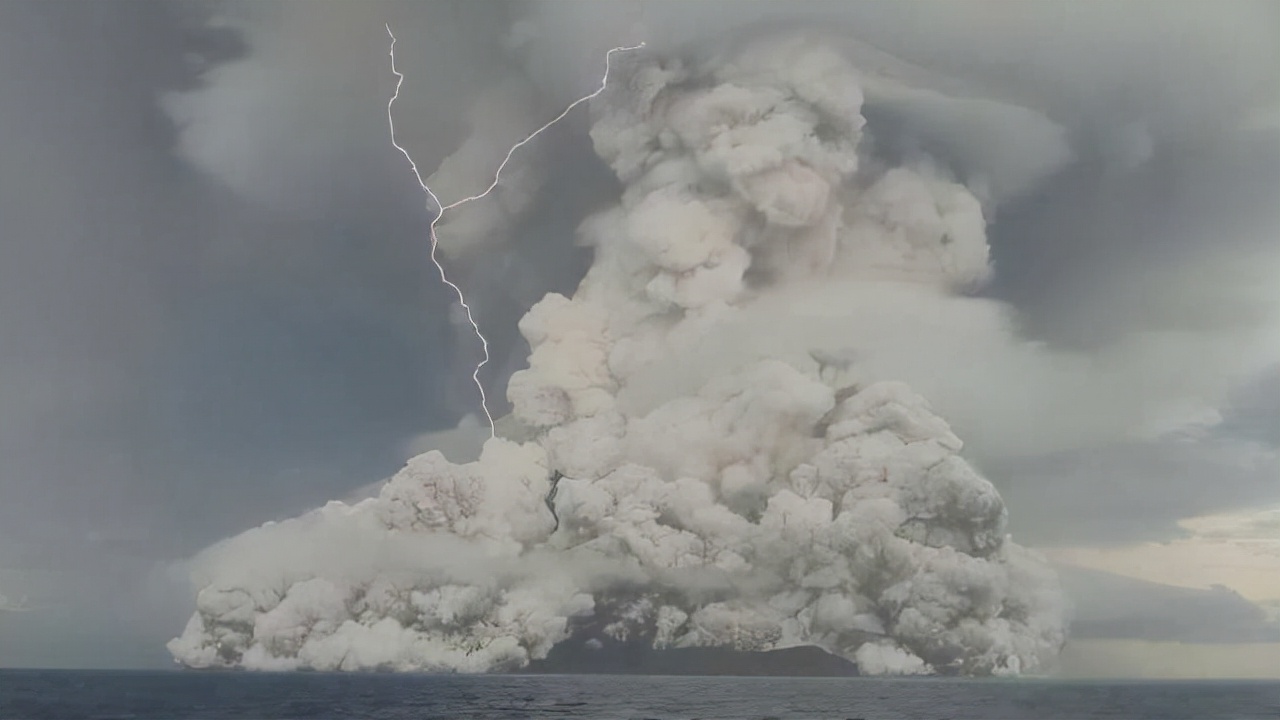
pixel 69 695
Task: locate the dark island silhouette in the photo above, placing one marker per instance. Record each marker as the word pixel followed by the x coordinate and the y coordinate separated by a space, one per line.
pixel 637 658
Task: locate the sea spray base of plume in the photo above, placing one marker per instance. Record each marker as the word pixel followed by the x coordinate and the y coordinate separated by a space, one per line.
pixel 765 505
pixel 884 547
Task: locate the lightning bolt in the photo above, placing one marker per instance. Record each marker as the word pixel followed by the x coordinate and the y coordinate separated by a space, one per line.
pixel 497 176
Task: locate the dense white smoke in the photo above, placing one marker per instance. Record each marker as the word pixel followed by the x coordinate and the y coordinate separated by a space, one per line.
pixel 1148 311
pixel 787 494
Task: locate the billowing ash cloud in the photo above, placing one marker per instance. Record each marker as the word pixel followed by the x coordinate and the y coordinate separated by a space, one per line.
pixel 1096 138
pixel 787 493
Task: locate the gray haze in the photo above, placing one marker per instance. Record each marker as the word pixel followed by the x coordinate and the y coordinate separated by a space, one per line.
pixel 216 309
pixel 175 363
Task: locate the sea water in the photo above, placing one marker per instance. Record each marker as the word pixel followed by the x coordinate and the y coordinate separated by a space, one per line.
pixel 41 694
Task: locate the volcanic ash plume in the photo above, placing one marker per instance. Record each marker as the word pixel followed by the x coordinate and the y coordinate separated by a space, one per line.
pixel 781 502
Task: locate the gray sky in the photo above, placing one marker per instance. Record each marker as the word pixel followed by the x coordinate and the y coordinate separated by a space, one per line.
pixel 157 393
pixel 200 332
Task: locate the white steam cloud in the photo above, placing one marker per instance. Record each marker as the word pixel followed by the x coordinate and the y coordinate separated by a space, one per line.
pixel 722 437
pixel 771 503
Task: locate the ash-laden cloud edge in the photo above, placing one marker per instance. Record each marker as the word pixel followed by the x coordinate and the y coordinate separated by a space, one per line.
pixel 763 509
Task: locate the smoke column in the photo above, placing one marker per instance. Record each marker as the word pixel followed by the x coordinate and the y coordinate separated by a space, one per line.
pixel 648 487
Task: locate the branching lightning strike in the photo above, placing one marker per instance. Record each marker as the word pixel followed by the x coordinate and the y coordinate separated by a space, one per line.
pixel 497 176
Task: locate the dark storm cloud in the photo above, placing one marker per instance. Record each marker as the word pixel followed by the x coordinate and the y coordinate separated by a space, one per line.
pixel 175 363
pixel 1254 413
pixel 95 240
pixel 1100 251
pixel 1137 492
pixel 316 90
pixel 1132 493
pixel 1111 606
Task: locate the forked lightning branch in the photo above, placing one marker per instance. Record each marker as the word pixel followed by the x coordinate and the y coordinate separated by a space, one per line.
pixel 441 208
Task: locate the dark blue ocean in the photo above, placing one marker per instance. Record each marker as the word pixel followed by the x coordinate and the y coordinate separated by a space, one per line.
pixel 70 695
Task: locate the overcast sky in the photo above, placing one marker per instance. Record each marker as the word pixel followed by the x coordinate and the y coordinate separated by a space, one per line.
pixel 216 307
